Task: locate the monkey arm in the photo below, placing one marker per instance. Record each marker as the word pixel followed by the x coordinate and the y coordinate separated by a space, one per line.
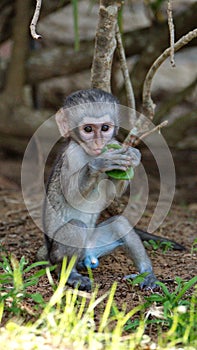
pixel 79 185
pixel 120 185
pixel 80 180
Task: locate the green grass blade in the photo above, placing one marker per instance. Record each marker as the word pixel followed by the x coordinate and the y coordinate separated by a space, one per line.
pixel 17 274
pixel 1 310
pixel 36 264
pixel 185 288
pixel 59 292
pixel 107 308
pixel 164 289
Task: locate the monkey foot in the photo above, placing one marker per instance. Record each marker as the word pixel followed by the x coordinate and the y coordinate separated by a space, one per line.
pixel 89 261
pixel 149 281
pixel 76 280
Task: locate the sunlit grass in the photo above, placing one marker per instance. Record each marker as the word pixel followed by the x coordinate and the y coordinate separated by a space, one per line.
pixel 67 321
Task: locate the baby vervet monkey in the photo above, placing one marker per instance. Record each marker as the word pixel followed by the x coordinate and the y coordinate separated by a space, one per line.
pixel 79 189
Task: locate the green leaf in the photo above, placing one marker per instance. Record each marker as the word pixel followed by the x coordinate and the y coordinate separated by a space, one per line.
pixel 185 288
pixel 138 278
pixel 164 289
pixel 36 264
pixel 118 174
pixel 31 282
pixel 155 298
pixel 37 297
pixel 111 145
pixel 121 175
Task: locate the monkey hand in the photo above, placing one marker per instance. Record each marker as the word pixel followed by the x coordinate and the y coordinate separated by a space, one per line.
pixel 112 159
pixel 135 156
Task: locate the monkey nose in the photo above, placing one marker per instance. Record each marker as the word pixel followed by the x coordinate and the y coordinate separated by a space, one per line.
pixel 98 144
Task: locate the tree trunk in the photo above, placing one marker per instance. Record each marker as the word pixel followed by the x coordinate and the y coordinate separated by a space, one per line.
pixel 105 45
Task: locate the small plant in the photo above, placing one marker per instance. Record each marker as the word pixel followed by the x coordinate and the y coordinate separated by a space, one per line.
pixel 14 283
pixel 171 300
pixel 170 309
pixel 164 246
pixel 136 278
pixel 183 326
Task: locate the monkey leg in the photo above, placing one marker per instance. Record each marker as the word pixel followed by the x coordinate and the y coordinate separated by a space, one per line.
pixel 69 241
pixel 116 232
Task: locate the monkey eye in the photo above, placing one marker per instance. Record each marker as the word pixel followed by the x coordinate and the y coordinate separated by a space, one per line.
pixel 88 128
pixel 105 127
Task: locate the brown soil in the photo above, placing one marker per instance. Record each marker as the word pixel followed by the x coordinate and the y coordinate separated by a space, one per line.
pixel 19 235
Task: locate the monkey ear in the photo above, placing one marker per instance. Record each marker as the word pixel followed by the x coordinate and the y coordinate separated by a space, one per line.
pixel 62 122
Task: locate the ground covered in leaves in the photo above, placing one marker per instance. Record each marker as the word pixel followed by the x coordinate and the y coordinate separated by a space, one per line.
pixel 19 235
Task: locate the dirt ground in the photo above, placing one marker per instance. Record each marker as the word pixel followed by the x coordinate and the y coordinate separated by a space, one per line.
pixel 20 235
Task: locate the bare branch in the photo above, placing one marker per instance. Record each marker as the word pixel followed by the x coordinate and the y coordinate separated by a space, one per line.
pixel 158 127
pixel 133 138
pixel 171 30
pixel 125 71
pixel 35 20
pixel 148 105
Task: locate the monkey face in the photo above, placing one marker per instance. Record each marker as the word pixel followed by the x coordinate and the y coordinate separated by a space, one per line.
pixel 95 133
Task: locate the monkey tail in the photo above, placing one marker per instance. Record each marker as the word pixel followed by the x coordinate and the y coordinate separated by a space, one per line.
pixel 145 236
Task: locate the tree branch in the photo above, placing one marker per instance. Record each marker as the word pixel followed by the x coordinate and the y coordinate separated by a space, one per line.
pixel 7 14
pixel 171 30
pixel 61 60
pixel 105 45
pixel 150 42
pixel 148 105
pixel 125 71
pixel 35 20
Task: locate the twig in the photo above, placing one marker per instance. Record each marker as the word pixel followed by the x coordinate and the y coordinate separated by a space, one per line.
pixel 136 139
pixel 171 30
pixel 158 127
pixel 35 20
pixel 125 71
pixel 148 105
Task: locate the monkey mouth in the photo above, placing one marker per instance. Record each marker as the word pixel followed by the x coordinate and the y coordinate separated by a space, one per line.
pixel 97 151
